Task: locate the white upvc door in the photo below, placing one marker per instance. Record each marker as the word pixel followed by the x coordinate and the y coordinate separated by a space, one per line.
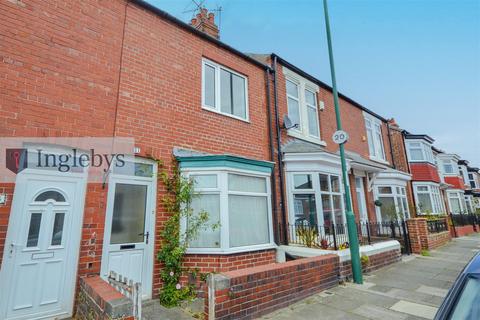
pixel 361 201
pixel 129 229
pixel 37 279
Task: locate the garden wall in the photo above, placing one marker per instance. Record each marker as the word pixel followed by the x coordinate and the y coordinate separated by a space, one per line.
pixel 100 301
pixel 422 239
pixel 250 293
pixel 462 231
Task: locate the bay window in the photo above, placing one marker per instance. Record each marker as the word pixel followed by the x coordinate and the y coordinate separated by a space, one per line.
pixel 448 167
pixel 317 199
pixel 373 127
pixel 456 202
pixel 393 201
pixel 224 91
pixel 419 151
pixel 429 199
pixel 238 207
pixel 303 107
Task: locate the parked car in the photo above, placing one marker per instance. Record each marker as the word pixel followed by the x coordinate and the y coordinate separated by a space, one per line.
pixel 463 300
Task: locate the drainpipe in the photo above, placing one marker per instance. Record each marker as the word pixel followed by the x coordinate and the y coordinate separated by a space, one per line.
pixel 279 151
pixel 272 158
pixel 410 172
pixel 390 144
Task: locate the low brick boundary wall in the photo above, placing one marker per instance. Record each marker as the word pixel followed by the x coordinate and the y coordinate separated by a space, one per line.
pixel 100 301
pixel 464 230
pixel 252 292
pixel 376 261
pixel 421 239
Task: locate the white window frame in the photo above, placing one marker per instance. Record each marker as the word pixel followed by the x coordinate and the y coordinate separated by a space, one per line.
pixel 217 108
pixel 222 189
pixel 397 196
pixel 471 179
pixel 426 149
pixel 448 162
pixel 315 175
pixel 375 125
pixel 303 132
pixel 436 199
pixel 457 195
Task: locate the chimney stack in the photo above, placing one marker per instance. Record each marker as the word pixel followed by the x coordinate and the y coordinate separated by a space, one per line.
pixel 205 22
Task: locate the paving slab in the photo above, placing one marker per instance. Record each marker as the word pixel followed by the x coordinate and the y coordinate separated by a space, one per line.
pixel 412 289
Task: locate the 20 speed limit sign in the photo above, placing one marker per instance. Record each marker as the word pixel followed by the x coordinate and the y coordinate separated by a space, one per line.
pixel 340 137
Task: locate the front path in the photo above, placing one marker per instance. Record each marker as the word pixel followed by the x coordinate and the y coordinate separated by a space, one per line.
pixel 411 289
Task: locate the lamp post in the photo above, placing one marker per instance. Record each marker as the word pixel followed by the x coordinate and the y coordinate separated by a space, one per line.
pixel 351 226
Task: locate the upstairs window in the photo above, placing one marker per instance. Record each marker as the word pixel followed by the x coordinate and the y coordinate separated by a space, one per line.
pixel 448 167
pixel 419 152
pixel 375 138
pixel 471 179
pixel 224 91
pixel 302 107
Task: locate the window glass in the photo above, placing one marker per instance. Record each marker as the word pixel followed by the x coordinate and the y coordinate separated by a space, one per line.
pixel 34 229
pixel 467 306
pixel 239 94
pixel 208 237
pixel 209 86
pixel 455 205
pixel 422 188
pixel 312 122
pixel 379 142
pixel 50 195
pixel 310 98
pixel 302 181
pixel 294 111
pixel 447 167
pixel 416 154
pixel 58 229
pixel 327 211
pixel 128 221
pixel 248 220
pixel 385 190
pixel 337 209
pixel 424 203
pixel 226 104
pixel 324 186
pixel 335 183
pixel 246 183
pixel 388 210
pixel 292 89
pixel 205 181
pixel 305 209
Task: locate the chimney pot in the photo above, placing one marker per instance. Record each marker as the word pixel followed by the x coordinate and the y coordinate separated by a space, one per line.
pixel 205 22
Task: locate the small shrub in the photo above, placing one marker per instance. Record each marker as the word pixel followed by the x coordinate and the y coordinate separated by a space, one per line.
pixel 365 260
pixel 425 253
pixel 308 235
pixel 324 244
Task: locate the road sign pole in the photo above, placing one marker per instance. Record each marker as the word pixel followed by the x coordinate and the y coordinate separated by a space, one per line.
pixel 351 225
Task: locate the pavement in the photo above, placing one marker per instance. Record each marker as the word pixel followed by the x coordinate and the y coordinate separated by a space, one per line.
pixel 411 289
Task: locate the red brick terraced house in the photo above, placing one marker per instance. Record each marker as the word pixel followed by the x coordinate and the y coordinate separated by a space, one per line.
pixel 127 69
pixel 472 185
pixel 310 163
pixel 452 175
pixel 427 183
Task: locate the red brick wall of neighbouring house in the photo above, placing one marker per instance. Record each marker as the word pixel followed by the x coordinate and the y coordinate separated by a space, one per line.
pixel 60 64
pixel 424 172
pixel 422 239
pixel 456 182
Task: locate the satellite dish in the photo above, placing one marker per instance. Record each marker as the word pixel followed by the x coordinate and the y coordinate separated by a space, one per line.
pixel 288 124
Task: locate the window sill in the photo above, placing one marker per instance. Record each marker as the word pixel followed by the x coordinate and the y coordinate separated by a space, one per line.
pixel 225 114
pixel 230 251
pixel 305 138
pixel 379 160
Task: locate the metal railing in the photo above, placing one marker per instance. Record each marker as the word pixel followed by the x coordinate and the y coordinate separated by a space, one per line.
pixel 131 290
pixel 335 237
pixel 436 226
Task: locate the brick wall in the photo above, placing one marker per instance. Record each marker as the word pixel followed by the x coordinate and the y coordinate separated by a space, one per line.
pixel 462 231
pixel 100 301
pixel 250 293
pixel 376 261
pixel 421 239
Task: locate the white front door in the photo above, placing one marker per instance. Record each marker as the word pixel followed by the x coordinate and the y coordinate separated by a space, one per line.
pixel 361 202
pixel 37 279
pixel 129 227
